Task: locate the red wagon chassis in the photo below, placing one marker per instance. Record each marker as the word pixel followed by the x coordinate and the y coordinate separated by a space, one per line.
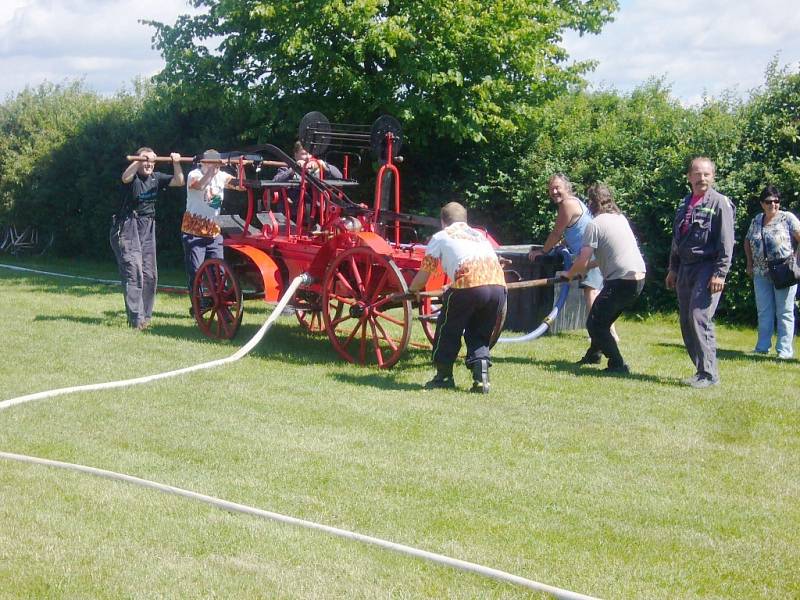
pixel 358 265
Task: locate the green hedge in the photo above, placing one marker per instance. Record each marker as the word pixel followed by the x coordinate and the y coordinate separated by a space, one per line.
pixel 62 151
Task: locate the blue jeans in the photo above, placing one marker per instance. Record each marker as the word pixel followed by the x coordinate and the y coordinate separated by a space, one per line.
pixel 197 249
pixel 774 305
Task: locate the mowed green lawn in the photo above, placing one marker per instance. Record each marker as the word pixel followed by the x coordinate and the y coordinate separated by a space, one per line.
pixel 634 487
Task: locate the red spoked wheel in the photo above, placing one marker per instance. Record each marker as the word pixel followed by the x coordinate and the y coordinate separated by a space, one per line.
pixel 365 324
pixel 217 300
pixel 499 323
pixel 308 310
pixel 428 310
pixel 311 320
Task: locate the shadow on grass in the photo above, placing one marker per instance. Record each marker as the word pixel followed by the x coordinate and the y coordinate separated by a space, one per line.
pixel 286 341
pixel 728 354
pixel 112 317
pixel 382 380
pixel 66 286
pixel 83 320
pixel 582 371
pixel 78 290
pixel 289 342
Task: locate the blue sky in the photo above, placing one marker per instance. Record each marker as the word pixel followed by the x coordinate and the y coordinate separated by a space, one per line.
pixel 697 47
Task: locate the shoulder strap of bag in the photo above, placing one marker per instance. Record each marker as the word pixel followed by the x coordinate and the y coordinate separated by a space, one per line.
pixel 786 220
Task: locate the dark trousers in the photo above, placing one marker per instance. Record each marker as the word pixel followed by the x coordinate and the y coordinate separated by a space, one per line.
pixel 616 296
pixel 473 313
pixel 197 249
pixel 697 307
pixel 133 240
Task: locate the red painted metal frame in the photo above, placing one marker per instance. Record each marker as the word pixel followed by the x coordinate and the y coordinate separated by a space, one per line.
pixel 266 266
pixel 280 253
pixel 388 166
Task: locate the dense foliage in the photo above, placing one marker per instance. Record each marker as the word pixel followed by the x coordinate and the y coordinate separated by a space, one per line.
pixel 451 71
pixel 63 148
pixel 638 144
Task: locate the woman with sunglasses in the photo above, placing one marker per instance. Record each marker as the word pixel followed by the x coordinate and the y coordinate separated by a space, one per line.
pixel 773 234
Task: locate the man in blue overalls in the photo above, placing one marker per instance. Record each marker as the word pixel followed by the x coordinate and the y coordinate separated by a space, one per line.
pixel 700 258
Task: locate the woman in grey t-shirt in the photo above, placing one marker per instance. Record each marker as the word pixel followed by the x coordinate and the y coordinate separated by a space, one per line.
pixel 610 238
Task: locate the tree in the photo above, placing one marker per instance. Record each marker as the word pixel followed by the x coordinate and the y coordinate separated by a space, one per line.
pixel 637 143
pixel 451 71
pixel 770 147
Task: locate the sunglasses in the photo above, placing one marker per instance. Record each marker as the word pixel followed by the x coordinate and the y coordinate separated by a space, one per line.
pixel 770 201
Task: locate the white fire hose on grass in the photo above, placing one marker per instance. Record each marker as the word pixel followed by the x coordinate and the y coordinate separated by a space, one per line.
pixel 440 559
pixel 243 351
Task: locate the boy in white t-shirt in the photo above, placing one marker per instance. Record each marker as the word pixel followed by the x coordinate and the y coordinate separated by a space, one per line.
pixel 200 232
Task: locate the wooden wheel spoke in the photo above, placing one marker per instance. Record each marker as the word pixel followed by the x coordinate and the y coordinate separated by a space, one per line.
pixel 362 347
pixel 341 278
pixel 376 343
pixel 226 317
pixel 336 322
pixel 354 331
pixel 365 276
pixel 388 317
pixel 219 282
pixel 378 287
pixel 356 275
pixel 343 299
pixel 382 302
pixel 208 285
pixel 386 337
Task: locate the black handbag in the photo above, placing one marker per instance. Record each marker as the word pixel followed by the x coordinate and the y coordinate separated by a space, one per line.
pixel 784 272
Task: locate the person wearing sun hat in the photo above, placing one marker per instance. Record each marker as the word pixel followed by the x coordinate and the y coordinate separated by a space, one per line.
pixel 200 233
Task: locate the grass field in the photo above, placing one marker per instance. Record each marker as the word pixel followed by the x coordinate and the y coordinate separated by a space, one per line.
pixel 618 487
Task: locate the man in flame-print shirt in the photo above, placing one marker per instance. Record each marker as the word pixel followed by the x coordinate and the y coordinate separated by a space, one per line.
pixel 471 305
pixel 200 232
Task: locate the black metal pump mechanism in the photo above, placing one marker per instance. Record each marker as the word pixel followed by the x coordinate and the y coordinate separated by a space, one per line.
pixel 318 135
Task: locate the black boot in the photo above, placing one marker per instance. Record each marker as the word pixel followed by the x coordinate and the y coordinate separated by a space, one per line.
pixel 480 376
pixel 592 357
pixel 442 380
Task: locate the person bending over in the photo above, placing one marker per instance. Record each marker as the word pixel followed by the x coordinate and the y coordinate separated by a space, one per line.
pixel 610 239
pixel 571 221
pixel 471 305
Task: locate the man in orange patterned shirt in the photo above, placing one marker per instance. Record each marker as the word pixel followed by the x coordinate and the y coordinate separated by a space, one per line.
pixel 471 305
pixel 200 232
